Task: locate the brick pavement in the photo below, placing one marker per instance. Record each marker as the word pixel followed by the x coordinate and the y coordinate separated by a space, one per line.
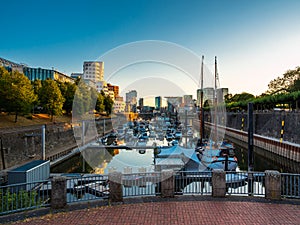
pixel 178 211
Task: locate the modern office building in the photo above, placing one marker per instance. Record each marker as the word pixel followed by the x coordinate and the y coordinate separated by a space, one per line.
pixel 173 103
pixel 209 95
pixel 119 105
pixel 131 101
pixel 141 104
pixel 93 70
pixel 113 88
pixel 158 102
pixel 221 93
pixel 187 100
pixel 44 74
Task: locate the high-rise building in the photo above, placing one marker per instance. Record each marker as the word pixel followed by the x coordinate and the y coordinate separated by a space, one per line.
pixel 221 93
pixel 141 104
pixel 187 100
pixel 131 97
pixel 131 101
pixel 173 103
pixel 158 102
pixel 93 70
pixel 113 88
pixel 208 94
pixel 119 106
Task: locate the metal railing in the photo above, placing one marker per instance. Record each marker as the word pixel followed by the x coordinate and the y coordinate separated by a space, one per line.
pixel 193 183
pixel 24 196
pixel 87 188
pixel 290 185
pixel 141 184
pixel 245 183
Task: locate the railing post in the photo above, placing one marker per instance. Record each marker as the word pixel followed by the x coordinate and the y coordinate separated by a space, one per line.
pixel 115 187
pixel 167 184
pixel 272 185
pixel 58 192
pixel 218 183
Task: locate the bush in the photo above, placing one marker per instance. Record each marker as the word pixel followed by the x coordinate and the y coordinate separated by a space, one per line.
pixel 20 200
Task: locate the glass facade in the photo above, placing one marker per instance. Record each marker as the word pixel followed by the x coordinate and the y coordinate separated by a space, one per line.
pixel 38 73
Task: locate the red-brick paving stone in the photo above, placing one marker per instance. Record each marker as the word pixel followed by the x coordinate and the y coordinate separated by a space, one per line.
pixel 178 212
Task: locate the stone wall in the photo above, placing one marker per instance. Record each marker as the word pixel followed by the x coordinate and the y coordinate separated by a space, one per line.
pixel 24 144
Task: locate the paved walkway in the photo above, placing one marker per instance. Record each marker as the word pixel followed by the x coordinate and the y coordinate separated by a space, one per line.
pixel 179 211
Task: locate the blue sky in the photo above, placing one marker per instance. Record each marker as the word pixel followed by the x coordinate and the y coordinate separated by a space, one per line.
pixel 255 41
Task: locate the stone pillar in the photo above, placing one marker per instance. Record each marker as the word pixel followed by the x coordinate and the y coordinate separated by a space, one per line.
pixel 272 185
pixel 218 183
pixel 115 187
pixel 58 192
pixel 167 184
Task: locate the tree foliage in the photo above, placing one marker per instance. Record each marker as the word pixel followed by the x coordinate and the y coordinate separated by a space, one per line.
pixel 83 102
pixel 19 95
pixel 51 98
pixel 239 97
pixel 67 90
pixel 285 83
pixel 16 93
pixel 108 104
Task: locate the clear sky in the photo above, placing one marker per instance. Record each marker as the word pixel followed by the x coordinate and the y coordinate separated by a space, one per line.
pixel 255 41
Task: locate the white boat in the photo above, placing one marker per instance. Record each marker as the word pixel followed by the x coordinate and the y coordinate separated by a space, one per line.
pixel 142 142
pixel 217 157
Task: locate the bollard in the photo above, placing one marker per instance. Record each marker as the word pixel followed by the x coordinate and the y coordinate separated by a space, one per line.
pixel 272 185
pixel 58 192
pixel 218 183
pixel 115 187
pixel 167 184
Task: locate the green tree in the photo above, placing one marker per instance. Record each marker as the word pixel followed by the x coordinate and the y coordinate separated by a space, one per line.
pixel 17 93
pixel 51 98
pixel 108 104
pixel 295 86
pixel 100 103
pixel 244 96
pixel 68 91
pixel 82 103
pixel 284 83
pixel 37 85
pixel 5 82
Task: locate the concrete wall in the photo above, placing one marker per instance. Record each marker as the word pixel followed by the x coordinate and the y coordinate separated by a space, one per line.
pixel 269 124
pixel 23 144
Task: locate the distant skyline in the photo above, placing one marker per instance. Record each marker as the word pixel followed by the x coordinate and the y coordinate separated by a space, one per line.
pixel 255 41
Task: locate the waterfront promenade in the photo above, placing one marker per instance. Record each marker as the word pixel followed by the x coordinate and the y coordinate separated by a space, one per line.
pixel 178 210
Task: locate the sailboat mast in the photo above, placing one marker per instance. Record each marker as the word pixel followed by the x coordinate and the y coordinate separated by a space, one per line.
pixel 201 104
pixel 215 102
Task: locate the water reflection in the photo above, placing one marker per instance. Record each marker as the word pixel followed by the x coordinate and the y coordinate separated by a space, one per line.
pixel 136 160
pixel 264 160
pixel 121 160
